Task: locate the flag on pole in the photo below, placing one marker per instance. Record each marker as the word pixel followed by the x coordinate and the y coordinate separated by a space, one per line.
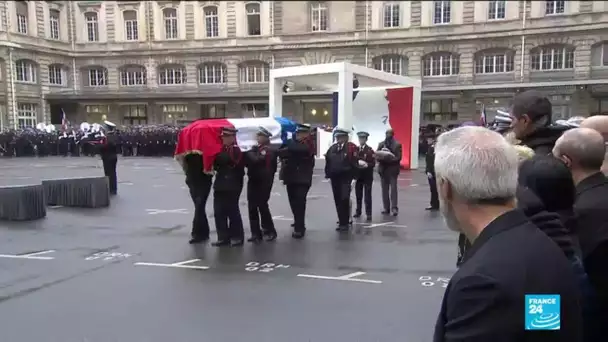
pixel 483 118
pixel 64 120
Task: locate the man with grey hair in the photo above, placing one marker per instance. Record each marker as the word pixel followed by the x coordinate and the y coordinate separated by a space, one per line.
pixel 486 298
pixel 583 151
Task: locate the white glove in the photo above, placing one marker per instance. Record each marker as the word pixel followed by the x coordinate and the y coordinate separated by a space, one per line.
pixel 429 175
pixel 362 163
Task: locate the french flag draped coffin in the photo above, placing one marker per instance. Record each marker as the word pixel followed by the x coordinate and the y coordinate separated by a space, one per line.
pixel 203 136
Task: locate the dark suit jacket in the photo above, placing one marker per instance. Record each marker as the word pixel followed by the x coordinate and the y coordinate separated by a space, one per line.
pixel 485 299
pixel 390 167
pixel 592 214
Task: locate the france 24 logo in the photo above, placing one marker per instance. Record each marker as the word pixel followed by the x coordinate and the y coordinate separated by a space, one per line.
pixel 543 312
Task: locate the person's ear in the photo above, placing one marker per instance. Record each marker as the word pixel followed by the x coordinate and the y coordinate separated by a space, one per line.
pixel 444 188
pixel 566 160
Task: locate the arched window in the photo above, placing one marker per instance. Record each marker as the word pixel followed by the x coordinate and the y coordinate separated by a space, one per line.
pixel 98 76
pixel 57 75
pixel 254 27
pixel 25 71
pixel 557 57
pixel 318 16
pixel 131 25
pixel 212 73
pixel 391 14
pixel 92 23
pixel 22 12
pixel 441 64
pixel 170 18
pixel 493 62
pixel 254 72
pixel 172 75
pixel 133 75
pixel 599 55
pixel 212 21
pixel 393 64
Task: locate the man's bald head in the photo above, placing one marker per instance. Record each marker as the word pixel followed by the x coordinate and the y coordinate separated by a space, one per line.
pixel 582 148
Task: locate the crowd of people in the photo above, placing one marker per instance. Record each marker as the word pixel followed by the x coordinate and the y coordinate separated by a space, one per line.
pixel 148 141
pixel 534 220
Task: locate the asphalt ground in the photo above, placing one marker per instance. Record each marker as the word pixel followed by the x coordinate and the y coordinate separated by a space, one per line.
pixel 127 273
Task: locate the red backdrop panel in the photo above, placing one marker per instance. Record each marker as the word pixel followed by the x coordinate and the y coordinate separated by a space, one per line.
pixel 400 111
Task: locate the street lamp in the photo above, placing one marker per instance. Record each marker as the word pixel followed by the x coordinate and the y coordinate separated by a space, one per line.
pixel 10 46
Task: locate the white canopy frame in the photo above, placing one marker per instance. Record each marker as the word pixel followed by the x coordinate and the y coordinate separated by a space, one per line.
pixel 338 77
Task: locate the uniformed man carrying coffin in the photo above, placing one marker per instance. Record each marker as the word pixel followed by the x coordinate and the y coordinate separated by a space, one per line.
pixel 297 165
pixel 341 164
pixel 227 187
pixel 261 163
pixel 365 176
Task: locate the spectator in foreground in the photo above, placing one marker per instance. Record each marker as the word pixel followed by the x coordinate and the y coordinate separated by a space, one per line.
pixel 600 124
pixel 583 151
pixel 486 298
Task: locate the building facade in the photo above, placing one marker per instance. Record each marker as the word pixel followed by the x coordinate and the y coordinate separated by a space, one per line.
pixel 148 62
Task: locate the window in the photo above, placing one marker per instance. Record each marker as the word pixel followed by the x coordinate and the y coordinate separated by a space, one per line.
pixel 55 75
pixel 131 28
pixel 319 17
pixel 599 106
pixel 254 73
pixel 25 71
pixel 253 19
pixel 175 108
pixel 98 77
pixel 441 65
pixel 133 76
pixel 212 73
pixel 92 26
pixel 96 113
pixel 599 55
pixel 440 110
pixel 26 115
pixel 172 75
pixel 134 115
pixel 497 10
pixel 391 15
pixel 212 24
pixel 442 13
pixel 254 110
pixel 54 24
pixel 175 113
pixel 170 16
pixel 213 111
pixel 492 63
pixel 22 16
pixel 552 58
pixel 390 64
pixel 555 7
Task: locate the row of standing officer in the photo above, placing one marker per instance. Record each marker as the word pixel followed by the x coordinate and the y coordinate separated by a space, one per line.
pixel 297 158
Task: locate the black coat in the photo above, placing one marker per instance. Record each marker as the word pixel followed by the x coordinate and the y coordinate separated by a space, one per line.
pixel 390 167
pixel 543 139
pixel 430 159
pixel 485 299
pixel 297 162
pixel 229 167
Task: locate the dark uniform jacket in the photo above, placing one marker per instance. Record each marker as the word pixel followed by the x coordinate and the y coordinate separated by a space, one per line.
pixel 592 214
pixel 341 160
pixel 229 168
pixel 261 163
pixel 366 153
pixel 430 160
pixel 109 146
pixel 543 139
pixel 297 161
pixel 485 299
pixel 390 167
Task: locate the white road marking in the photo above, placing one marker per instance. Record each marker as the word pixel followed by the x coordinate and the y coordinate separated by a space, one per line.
pixel 182 264
pixel 281 218
pixel 381 224
pixel 31 256
pixel 325 181
pixel 55 206
pixel 170 211
pixel 347 277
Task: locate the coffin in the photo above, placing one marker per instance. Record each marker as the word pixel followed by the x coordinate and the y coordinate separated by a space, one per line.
pixel 22 203
pixel 86 192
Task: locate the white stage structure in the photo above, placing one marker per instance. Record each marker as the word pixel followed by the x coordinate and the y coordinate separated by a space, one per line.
pixel 338 77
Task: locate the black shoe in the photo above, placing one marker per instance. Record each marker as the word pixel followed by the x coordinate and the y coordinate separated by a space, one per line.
pixel 386 212
pixel 297 235
pixel 255 239
pixel 221 243
pixel 293 225
pixel 431 208
pixel 270 237
pixel 357 215
pixel 196 240
pixel 236 243
pixel 395 212
pixel 342 228
pixel 368 218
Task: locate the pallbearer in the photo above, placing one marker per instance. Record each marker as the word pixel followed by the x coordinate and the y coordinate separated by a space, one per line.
pixel 261 163
pixel 297 165
pixel 365 176
pixel 227 187
pixel 341 164
pixel 108 153
pixel 199 184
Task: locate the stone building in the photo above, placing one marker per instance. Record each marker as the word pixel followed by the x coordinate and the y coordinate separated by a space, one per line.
pixel 136 62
